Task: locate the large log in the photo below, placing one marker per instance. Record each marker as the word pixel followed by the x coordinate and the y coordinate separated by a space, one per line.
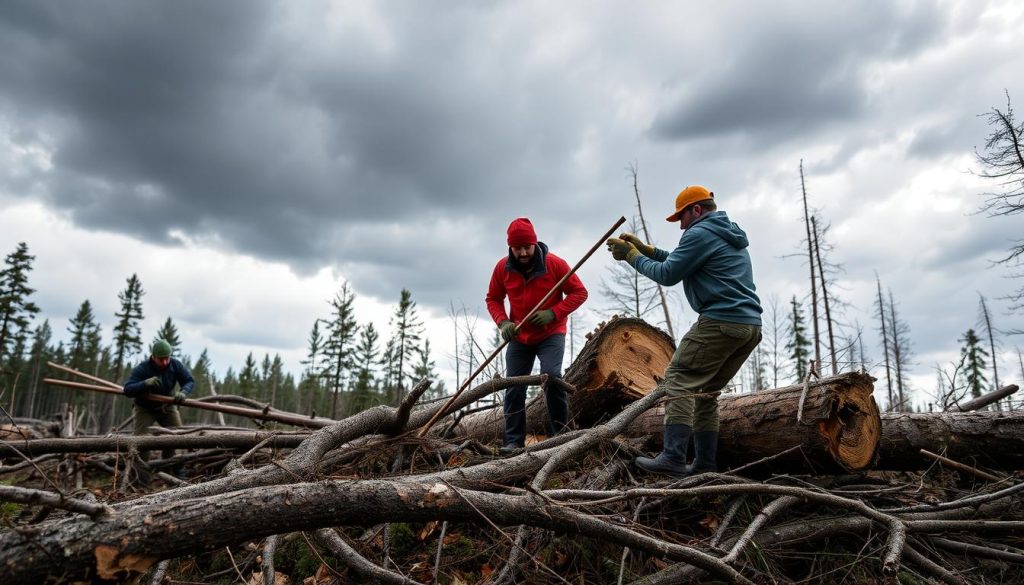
pixel 987 439
pixel 621 362
pixel 839 431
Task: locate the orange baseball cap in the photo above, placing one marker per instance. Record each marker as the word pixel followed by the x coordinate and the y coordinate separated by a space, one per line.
pixel 687 197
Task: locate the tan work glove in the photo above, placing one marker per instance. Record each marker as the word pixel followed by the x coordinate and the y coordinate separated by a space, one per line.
pixel 641 246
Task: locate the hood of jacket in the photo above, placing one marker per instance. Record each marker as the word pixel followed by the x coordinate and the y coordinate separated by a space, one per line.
pixel 718 223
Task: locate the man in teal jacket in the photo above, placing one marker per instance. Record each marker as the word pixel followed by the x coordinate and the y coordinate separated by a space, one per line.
pixel 713 264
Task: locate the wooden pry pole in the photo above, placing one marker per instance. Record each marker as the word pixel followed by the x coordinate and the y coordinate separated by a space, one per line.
pixel 497 350
pixel 284 417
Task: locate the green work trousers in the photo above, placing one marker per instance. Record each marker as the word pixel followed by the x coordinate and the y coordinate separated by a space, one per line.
pixel 708 356
pixel 166 416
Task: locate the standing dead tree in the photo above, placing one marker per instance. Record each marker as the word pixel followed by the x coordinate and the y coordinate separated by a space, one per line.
pixel 810 265
pixel 818 236
pixel 634 170
pixel 882 323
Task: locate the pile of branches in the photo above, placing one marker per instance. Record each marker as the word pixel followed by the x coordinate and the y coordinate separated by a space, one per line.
pixel 568 509
pixel 385 496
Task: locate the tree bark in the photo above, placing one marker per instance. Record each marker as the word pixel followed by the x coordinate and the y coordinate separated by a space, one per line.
pixel 840 429
pixel 234 440
pixel 989 439
pixel 984 400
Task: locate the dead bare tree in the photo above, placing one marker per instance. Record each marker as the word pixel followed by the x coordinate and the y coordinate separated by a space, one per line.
pixel 634 171
pixel 1003 162
pixel 882 323
pixel 901 354
pixel 986 324
pixel 811 266
pixel 824 292
pixel 628 292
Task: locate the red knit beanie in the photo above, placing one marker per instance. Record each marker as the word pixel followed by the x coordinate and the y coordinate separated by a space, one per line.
pixel 520 232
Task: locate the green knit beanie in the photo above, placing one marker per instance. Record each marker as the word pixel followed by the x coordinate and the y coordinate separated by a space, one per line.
pixel 161 348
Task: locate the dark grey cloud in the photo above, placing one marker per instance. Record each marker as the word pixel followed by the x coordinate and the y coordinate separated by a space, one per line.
pixel 216 122
pixel 786 72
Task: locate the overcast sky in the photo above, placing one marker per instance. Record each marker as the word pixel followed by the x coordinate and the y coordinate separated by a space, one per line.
pixel 246 158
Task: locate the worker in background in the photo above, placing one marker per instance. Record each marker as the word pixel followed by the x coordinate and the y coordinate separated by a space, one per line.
pixel 163 375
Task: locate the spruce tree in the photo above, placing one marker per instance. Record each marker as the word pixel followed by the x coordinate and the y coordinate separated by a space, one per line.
pixel 426 368
pixel 16 310
pixel 339 344
pixel 169 332
pixel 798 346
pixel 367 351
pixel 83 349
pixel 39 354
pixel 127 332
pixel 974 355
pixel 408 331
pixel 248 378
pixel 127 340
pixel 309 386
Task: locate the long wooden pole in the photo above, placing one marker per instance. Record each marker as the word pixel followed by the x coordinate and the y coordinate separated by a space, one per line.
pixel 497 350
pixel 284 417
pixel 75 372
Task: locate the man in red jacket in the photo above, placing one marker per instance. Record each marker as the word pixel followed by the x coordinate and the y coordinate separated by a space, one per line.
pixel 525 276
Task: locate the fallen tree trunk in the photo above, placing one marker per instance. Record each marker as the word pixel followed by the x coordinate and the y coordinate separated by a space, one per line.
pixel 622 361
pixel 984 400
pixel 840 426
pixel 988 439
pixel 233 440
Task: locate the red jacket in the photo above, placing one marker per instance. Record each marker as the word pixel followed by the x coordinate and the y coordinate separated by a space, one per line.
pixel 524 295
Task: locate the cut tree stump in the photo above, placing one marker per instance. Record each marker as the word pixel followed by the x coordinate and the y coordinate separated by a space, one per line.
pixel 840 428
pixel 622 361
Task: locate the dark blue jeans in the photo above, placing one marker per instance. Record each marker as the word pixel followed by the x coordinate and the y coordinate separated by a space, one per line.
pixel 519 362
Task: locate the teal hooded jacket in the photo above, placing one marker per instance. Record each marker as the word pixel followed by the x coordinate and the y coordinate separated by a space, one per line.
pixel 713 263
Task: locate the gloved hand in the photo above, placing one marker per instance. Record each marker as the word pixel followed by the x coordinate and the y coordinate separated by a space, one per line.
pixel 542 318
pixel 641 246
pixel 508 330
pixel 153 382
pixel 179 396
pixel 622 250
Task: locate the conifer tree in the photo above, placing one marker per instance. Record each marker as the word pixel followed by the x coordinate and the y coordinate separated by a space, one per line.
pixel 408 330
pixel 274 378
pixel 83 349
pixel 339 344
pixel 798 346
pixel 16 310
pixel 169 332
pixel 309 386
pixel 366 362
pixel 127 340
pixel 39 354
pixel 127 333
pixel 974 355
pixel 248 378
pixel 426 368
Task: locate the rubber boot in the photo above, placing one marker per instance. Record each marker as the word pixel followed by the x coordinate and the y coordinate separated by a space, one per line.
pixel 705 444
pixel 672 459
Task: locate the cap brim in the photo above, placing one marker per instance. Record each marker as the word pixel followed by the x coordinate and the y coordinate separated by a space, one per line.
pixel 674 216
